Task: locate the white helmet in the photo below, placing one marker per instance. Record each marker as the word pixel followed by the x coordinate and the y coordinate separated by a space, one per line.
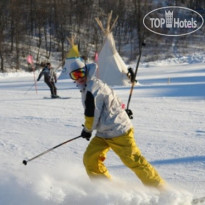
pixel 76 65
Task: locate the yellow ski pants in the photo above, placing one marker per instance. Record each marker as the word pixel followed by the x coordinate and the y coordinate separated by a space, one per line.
pixel 125 147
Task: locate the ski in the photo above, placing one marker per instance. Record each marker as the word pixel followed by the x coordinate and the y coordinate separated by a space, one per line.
pixel 198 200
pixel 57 98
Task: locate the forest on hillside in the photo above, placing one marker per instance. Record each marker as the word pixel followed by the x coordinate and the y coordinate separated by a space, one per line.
pixel 41 28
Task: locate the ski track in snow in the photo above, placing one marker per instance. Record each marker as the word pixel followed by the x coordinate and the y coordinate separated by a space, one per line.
pixel 169 116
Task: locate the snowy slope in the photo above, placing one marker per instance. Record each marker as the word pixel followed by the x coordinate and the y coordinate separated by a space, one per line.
pixel 169 122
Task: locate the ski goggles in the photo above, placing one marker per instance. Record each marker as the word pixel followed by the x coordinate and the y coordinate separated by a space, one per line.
pixel 79 73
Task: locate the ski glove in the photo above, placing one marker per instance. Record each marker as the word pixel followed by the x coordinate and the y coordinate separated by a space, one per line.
pixel 131 75
pixel 86 135
pixel 129 113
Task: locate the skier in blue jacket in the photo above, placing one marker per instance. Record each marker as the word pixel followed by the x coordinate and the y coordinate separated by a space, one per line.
pixel 50 79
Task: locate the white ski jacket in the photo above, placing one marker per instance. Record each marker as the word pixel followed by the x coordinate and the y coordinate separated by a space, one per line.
pixel 103 109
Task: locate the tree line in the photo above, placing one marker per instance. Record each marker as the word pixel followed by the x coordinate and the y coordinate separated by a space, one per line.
pixel 41 27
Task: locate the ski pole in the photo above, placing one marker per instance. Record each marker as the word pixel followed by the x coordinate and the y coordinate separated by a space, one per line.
pixel 34 78
pixel 29 88
pixel 28 160
pixel 133 83
pixel 141 43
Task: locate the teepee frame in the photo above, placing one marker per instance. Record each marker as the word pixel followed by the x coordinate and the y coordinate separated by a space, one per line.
pixel 71 40
pixel 109 27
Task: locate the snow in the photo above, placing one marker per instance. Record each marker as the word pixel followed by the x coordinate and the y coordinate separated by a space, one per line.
pixel 169 121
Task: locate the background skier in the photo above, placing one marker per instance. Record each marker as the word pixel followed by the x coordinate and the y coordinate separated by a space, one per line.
pixel 50 79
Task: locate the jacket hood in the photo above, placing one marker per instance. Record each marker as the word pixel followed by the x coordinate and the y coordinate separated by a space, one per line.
pixel 91 70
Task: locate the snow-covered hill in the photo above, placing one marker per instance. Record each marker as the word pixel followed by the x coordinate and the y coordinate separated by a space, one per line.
pixel 169 122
